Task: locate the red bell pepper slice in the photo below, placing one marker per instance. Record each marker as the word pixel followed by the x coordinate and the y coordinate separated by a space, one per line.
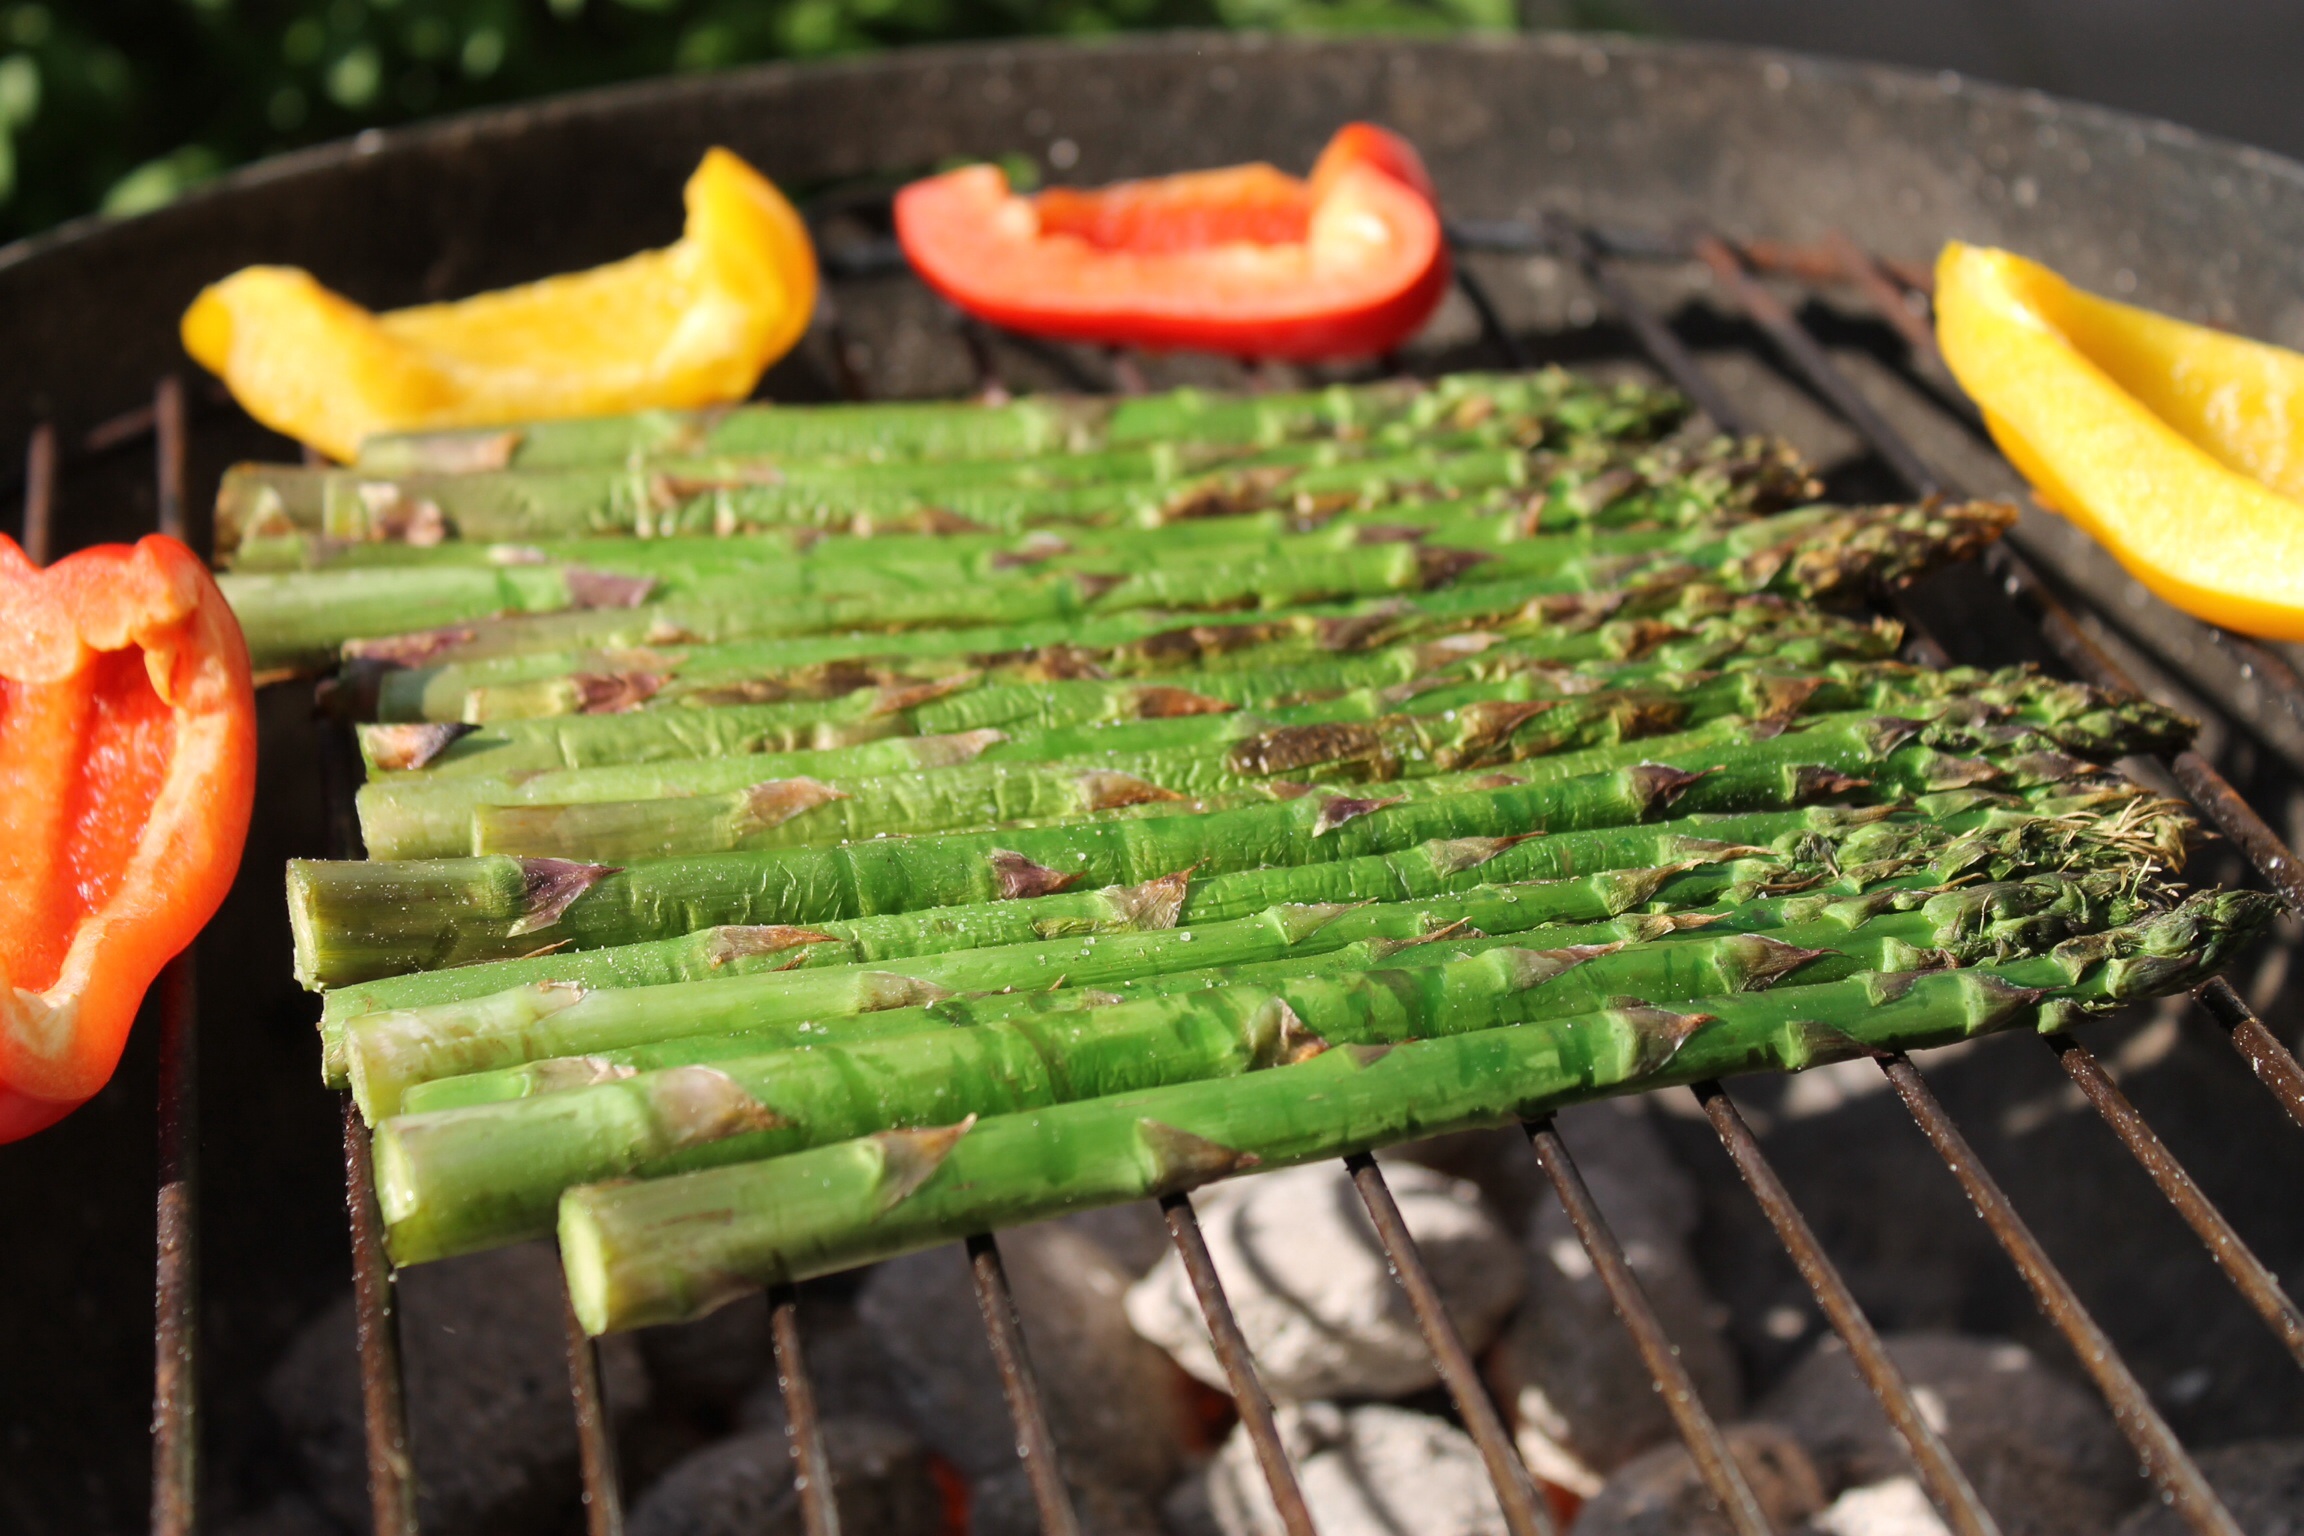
pixel 127 771
pixel 1247 260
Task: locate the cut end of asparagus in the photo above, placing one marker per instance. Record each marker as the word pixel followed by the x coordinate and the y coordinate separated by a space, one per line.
pixel 404 748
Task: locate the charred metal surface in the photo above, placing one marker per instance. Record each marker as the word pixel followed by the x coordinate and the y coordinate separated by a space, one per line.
pixel 803 1426
pixel 1948 1487
pixel 1035 1445
pixel 176 1332
pixel 1656 338
pixel 1525 1512
pixel 2248 1273
pixel 1698 1429
pixel 376 1324
pixel 595 1435
pixel 2271 1061
pixel 2166 1462
pixel 39 491
pixel 176 1324
pixel 1231 1346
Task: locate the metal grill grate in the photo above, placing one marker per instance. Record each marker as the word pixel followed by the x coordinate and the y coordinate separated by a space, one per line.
pixel 1600 254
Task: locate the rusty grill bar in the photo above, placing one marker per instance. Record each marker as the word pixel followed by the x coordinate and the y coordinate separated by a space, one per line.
pixel 1888 290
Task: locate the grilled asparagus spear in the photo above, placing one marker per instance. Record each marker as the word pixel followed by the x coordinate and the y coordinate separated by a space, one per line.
pixel 717 804
pixel 1516 406
pixel 455 1180
pixel 664 1249
pixel 356 921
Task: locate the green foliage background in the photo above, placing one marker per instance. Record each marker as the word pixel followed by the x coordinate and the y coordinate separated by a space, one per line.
pixel 119 105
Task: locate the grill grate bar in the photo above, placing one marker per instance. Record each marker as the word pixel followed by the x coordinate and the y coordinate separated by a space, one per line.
pixel 1836 259
pixel 376 1325
pixel 176 1332
pixel 1880 290
pixel 1656 338
pixel 2248 1274
pixel 1231 1346
pixel 375 1317
pixel 39 492
pixel 176 1326
pixel 1525 1512
pixel 1948 1487
pixel 2265 667
pixel 803 1426
pixel 1698 1429
pixel 2165 1459
pixel 1035 1445
pixel 2271 1061
pixel 595 1437
pixel 1807 355
pixel 1492 324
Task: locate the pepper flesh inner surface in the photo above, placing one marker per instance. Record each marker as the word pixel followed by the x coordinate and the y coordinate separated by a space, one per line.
pixel 127 773
pixel 97 796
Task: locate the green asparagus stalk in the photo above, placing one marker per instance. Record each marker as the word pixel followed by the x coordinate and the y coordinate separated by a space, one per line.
pixel 388 1053
pixel 1564 626
pixel 968 700
pixel 1805 553
pixel 1611 484
pixel 300 618
pixel 1191 750
pixel 304 618
pixel 474 486
pixel 1689 626
pixel 453 1181
pixel 1520 407
pixel 354 922
pixel 1412 756
pixel 676 497
pixel 665 1249
pixel 1584 876
pixel 727 802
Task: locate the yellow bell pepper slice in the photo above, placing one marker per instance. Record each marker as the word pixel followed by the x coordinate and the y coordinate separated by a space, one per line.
pixel 692 324
pixel 2181 449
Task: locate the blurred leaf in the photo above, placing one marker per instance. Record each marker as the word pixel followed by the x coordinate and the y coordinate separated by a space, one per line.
pixel 156 183
pixel 123 104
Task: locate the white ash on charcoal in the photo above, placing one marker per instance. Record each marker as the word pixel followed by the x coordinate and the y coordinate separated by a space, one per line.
pixel 2041 1450
pixel 1310 1286
pixel 1113 1400
pixel 745 1486
pixel 489 1426
pixel 1004 1506
pixel 1583 1402
pixel 1897 1507
pixel 1660 1493
pixel 2260 1481
pixel 1372 1470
